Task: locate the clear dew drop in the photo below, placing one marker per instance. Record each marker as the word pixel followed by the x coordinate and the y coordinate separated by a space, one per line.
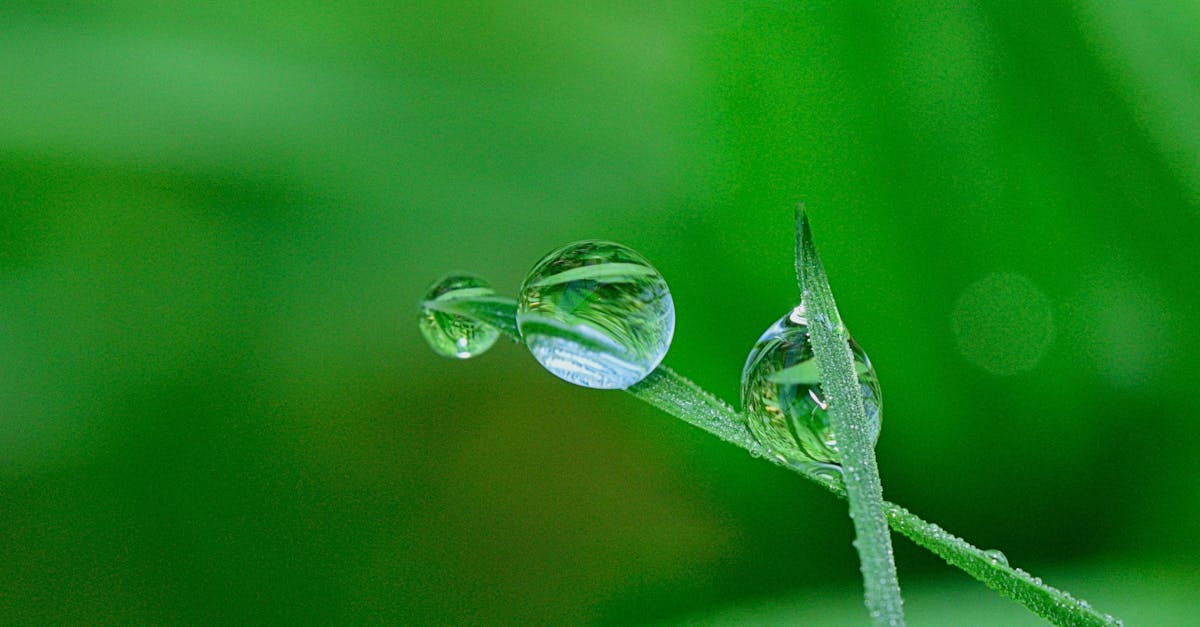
pixel 781 392
pixel 452 335
pixel 596 314
pixel 996 557
pixel 829 473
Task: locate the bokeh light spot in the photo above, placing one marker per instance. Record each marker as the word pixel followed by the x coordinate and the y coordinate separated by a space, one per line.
pixel 1003 323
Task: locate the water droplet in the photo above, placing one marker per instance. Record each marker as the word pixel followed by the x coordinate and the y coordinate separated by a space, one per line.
pixel 996 557
pixel 596 314
pixel 452 335
pixel 830 473
pixel 781 391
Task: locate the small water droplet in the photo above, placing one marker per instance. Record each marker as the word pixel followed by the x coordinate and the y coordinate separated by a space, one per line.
pixel 830 473
pixel 452 335
pixel 781 391
pixel 596 314
pixel 996 557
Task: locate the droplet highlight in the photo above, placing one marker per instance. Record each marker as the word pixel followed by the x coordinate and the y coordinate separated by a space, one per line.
pixel 785 406
pixel 596 314
pixel 453 335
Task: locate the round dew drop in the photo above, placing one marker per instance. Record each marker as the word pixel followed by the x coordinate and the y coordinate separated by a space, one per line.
pixel 785 406
pixel 452 335
pixel 996 557
pixel 596 314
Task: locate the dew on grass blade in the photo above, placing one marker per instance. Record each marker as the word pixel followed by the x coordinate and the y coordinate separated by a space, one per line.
pixel 996 557
pixel 453 335
pixel 785 406
pixel 596 314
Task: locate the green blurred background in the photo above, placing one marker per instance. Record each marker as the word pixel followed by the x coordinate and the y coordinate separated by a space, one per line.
pixel 216 219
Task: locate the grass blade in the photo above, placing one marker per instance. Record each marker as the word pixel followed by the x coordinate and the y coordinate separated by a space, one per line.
pixel 860 473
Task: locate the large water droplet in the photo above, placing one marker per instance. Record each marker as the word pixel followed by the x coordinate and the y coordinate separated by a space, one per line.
pixel 596 314
pixel 452 335
pixel 785 406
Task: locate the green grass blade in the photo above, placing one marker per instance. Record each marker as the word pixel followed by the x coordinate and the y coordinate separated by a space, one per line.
pixel 1054 605
pixel 860 473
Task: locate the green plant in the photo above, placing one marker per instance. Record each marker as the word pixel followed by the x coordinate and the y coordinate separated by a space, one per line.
pixel 473 311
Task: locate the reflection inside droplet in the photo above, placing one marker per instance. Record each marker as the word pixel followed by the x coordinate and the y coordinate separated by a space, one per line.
pixel 596 314
pixel 785 406
pixel 452 335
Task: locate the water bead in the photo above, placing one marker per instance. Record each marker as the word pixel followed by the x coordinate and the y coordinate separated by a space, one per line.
pixel 596 314
pixel 996 557
pixel 785 406
pixel 452 335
